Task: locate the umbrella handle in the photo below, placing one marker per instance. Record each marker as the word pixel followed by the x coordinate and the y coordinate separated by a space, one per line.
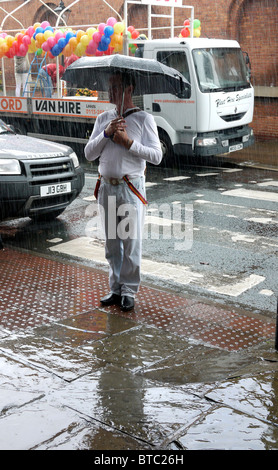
pixel 122 105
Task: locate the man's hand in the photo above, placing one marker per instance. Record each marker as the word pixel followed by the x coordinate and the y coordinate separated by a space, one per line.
pixel 121 137
pixel 114 126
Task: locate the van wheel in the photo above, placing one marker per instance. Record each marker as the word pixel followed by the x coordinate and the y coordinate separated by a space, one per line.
pixel 166 147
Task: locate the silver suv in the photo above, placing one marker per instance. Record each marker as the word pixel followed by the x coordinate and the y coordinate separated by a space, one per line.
pixel 38 178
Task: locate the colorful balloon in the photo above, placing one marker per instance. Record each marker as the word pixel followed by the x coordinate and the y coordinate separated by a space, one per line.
pixel 41 38
pixel 119 27
pixel 111 21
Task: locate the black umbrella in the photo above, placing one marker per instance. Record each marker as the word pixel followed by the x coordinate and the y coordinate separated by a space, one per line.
pixel 150 75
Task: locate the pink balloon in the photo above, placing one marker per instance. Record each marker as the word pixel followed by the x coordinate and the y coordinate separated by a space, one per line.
pixel 111 21
pixel 59 35
pixel 51 42
pixel 101 27
pixel 44 24
pixel 26 40
pixel 46 47
pixel 91 48
pixel 22 50
pixel 97 37
pixel 30 31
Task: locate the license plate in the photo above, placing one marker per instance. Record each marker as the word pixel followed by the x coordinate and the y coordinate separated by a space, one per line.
pixel 55 189
pixel 234 148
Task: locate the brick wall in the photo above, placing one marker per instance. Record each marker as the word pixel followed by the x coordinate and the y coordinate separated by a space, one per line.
pixel 252 22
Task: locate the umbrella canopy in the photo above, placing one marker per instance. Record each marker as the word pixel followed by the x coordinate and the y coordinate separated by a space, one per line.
pixel 150 75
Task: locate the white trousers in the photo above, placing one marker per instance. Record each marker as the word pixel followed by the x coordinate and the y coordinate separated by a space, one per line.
pixel 20 80
pixel 122 214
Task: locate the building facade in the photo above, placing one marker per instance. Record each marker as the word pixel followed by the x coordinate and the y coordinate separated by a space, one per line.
pixel 252 23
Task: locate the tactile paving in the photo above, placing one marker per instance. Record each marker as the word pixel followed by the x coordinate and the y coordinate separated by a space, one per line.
pixel 37 290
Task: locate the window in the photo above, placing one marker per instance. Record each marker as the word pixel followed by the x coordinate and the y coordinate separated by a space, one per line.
pixel 175 59
pixel 220 69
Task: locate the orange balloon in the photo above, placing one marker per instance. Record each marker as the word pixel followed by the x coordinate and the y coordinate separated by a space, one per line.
pixel 79 34
pixel 73 42
pixel 40 38
pixel 9 40
pixel 67 50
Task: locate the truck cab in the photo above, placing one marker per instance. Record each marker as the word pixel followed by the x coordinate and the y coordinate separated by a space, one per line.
pixel 215 117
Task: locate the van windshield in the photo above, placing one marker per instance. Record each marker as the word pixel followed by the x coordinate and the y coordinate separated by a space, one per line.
pixel 221 69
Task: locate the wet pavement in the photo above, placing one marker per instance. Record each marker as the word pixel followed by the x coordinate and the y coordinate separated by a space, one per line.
pixel 261 155
pixel 176 374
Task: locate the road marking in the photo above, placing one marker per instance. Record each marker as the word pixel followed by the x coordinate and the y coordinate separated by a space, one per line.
pixel 238 288
pixel 267 292
pixel 177 178
pixel 268 183
pixel 262 220
pixel 87 248
pixel 251 194
pixel 240 237
pixel 55 240
pixel 207 174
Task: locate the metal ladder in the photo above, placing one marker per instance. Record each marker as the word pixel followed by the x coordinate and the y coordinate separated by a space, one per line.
pixel 34 70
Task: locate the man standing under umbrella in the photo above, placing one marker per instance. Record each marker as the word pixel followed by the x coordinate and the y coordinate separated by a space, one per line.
pixel 124 138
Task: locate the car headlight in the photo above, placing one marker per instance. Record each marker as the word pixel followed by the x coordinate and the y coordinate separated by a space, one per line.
pixel 75 160
pixel 8 166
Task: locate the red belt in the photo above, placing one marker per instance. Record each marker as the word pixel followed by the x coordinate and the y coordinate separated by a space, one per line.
pixel 115 182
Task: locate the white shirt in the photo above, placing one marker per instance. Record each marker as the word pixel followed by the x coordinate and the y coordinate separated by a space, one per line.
pixel 115 160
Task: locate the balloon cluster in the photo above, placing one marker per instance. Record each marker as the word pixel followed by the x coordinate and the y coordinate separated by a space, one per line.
pixel 185 32
pixel 41 38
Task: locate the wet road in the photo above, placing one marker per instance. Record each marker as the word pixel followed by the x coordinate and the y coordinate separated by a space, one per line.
pixel 178 373
pixel 210 231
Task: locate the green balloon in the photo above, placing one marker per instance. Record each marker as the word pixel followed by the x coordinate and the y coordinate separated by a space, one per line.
pixel 196 24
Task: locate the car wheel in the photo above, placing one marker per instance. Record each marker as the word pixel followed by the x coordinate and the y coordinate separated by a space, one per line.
pixel 47 216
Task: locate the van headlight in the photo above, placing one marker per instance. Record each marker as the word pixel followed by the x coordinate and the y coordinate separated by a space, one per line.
pixel 75 160
pixel 206 141
pixel 9 166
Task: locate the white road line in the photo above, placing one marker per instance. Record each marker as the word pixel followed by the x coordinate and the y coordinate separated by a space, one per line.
pixel 87 248
pixel 251 194
pixel 207 174
pixel 268 183
pixel 238 288
pixel 177 178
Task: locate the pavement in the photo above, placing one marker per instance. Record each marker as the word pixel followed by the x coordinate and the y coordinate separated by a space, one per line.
pixel 175 374
pixel 261 155
pixel 178 373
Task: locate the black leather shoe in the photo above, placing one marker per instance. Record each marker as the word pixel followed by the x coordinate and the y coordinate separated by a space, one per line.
pixel 111 299
pixel 127 303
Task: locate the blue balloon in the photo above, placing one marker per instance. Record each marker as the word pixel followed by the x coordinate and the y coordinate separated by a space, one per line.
pixel 62 43
pixel 105 42
pixel 55 50
pixel 69 35
pixel 38 30
pixel 108 31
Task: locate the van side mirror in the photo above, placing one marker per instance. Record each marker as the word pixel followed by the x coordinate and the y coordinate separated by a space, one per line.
pixel 186 92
